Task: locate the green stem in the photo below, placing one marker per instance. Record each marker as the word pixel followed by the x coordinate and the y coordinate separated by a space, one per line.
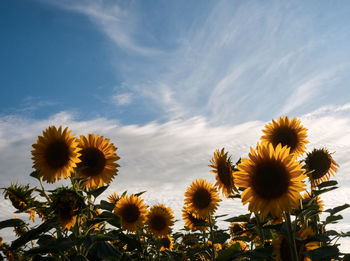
pixel 261 231
pixel 212 237
pixel 43 190
pixel 291 238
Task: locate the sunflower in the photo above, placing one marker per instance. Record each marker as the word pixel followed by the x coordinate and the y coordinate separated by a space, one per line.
pixel 97 160
pixel 316 199
pixel 132 211
pixel 237 230
pixel 113 198
pixel 281 249
pixel 20 197
pixel 242 245
pixel 201 198
pixel 55 154
pixel 166 242
pixel 322 165
pixel 192 222
pixel 160 219
pixel 67 204
pixel 273 179
pixel 223 170
pixel 286 132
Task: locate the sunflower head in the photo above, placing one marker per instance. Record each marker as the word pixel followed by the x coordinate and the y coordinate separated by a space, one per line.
pixel 192 222
pixel 113 198
pixel 132 212
pixel 20 196
pixel 322 165
pixel 55 154
pixel 201 198
pixel 98 157
pixel 160 219
pixel 273 179
pixel 236 229
pixel 67 204
pixel 222 168
pixel 166 242
pixel 287 133
pixel 316 200
pixel 281 250
pixel 242 245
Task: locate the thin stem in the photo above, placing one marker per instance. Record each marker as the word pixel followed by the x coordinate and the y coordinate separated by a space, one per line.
pixel 291 238
pixel 43 190
pixel 261 231
pixel 212 237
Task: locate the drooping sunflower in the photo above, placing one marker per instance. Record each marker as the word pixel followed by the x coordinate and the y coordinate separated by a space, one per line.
pixel 281 250
pixel 223 170
pixel 192 222
pixel 316 199
pixel 20 197
pixel 166 243
pixel 286 132
pixel 67 204
pixel 322 165
pixel 55 154
pixel 98 158
pixel 201 198
pixel 132 212
pixel 159 221
pixel 273 179
pixel 237 229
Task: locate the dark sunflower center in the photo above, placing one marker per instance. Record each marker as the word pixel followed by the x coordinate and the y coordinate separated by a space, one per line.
pixel 130 213
pixel 285 252
pixel 198 222
pixel 166 242
pixel 93 161
pixel 201 198
pixel 320 162
pixel 66 206
pixel 57 154
pixel 225 173
pixel 285 136
pixel 270 180
pixel 158 223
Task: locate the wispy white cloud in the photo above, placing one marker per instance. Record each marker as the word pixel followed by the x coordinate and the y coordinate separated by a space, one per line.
pixel 122 99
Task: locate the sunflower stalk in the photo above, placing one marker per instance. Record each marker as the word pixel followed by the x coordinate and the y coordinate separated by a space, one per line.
pixel 212 237
pixel 260 229
pixel 291 237
pixel 43 190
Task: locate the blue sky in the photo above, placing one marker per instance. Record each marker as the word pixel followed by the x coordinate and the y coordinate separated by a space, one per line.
pixel 171 81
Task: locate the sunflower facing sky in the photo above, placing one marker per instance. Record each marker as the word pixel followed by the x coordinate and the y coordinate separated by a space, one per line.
pixel 55 154
pixel 322 165
pixel 67 204
pixel 159 221
pixel 201 198
pixel 281 250
pixel 132 211
pixel 286 132
pixel 222 168
pixel 273 179
pixel 97 160
pixel 194 223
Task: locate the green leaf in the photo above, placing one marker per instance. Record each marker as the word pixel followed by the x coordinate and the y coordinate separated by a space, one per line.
pixel 241 218
pixel 332 211
pixel 14 222
pixel 102 251
pixel 98 191
pixel 35 174
pixel 332 219
pixel 328 183
pixel 111 218
pixel 140 193
pixel 230 253
pixel 32 234
pixel 322 253
pixel 106 205
pixel 319 192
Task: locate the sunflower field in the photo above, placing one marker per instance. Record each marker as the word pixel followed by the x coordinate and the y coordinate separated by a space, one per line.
pixel 280 182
